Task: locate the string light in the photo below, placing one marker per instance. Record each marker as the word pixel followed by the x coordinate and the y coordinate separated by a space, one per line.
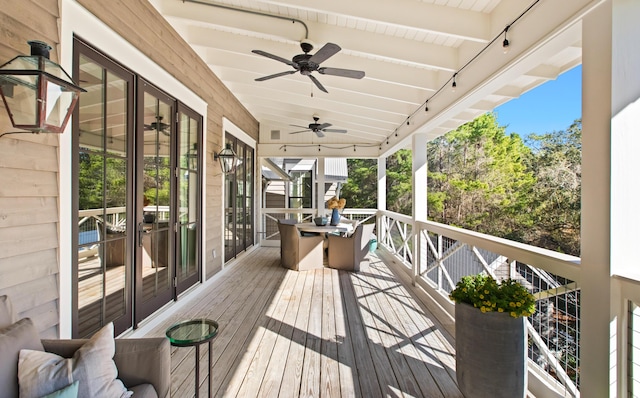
pixel 505 42
pixel 327 146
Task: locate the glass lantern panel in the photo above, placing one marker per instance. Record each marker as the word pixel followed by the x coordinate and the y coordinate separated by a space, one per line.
pixel 57 71
pixel 57 103
pixel 21 98
pixel 23 62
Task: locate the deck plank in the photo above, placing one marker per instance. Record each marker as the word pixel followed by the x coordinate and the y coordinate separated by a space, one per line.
pixel 319 333
pixel 329 371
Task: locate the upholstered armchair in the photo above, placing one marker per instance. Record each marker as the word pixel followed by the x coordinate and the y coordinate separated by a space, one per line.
pixel 351 253
pixel 298 252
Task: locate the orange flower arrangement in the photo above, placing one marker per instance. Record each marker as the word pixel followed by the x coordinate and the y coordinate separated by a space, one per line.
pixel 335 203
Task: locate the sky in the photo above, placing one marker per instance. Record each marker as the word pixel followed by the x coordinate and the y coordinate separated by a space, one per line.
pixel 552 106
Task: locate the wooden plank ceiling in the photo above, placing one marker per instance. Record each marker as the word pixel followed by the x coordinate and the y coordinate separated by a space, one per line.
pixel 408 49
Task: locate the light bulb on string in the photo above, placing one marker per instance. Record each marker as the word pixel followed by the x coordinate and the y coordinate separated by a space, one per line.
pixel 454 85
pixel 426 106
pixel 505 42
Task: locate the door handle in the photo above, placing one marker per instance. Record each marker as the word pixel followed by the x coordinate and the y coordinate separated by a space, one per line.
pixel 141 232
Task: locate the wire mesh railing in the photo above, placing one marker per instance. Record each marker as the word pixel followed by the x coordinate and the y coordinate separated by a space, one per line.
pixel 446 254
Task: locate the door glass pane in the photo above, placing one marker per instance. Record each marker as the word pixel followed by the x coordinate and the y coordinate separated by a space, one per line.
pixel 102 277
pixel 116 121
pixel 156 275
pixel 229 217
pixel 91 105
pixel 188 198
pixel 240 196
pixel 249 199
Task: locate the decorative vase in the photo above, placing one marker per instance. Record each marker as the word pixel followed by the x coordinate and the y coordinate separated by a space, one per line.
pixel 491 357
pixel 335 217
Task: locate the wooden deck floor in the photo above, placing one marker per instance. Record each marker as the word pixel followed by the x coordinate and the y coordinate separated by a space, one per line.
pixel 322 333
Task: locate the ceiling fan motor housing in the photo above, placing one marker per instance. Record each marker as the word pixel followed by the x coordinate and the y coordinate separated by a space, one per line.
pixel 306 46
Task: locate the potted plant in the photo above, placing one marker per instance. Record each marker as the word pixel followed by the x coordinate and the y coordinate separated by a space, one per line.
pixel 336 205
pixel 491 336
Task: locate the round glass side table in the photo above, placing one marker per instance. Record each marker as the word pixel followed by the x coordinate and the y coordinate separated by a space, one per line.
pixel 193 333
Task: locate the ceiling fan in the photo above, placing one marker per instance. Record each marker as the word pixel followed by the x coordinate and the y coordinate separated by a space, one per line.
pixel 318 128
pixel 158 125
pixel 307 63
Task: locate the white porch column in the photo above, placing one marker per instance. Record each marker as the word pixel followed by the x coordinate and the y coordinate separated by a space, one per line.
pixel 321 187
pixel 608 213
pixel 382 194
pixel 419 197
pixel 419 179
pixel 625 165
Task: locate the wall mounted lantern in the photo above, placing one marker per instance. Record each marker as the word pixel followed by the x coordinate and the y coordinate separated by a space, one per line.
pixel 38 94
pixel 228 159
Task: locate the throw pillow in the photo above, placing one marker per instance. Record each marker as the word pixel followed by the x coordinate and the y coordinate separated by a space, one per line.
pixel 7 317
pixel 92 366
pixel 70 391
pixel 13 338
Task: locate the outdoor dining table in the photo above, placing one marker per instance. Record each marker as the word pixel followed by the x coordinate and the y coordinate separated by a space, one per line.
pixel 312 227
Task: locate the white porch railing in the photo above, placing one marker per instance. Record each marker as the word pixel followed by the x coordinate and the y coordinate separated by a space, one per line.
pixel 436 256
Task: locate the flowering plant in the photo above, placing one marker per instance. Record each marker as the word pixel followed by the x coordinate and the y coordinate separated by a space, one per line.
pixel 335 203
pixel 484 293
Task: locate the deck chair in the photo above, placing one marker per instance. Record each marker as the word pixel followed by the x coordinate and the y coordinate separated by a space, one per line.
pixel 299 253
pixel 351 253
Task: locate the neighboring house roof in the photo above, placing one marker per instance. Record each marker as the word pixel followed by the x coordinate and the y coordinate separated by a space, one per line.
pixel 335 169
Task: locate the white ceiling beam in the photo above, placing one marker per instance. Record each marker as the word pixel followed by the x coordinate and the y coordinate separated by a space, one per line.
pixel 428 18
pixel 356 41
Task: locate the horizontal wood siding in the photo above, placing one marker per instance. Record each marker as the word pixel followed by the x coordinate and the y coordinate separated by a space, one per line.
pixel 140 24
pixel 29 182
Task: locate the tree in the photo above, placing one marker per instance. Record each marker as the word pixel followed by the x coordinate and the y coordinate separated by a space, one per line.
pixel 399 179
pixel 478 179
pixel 483 180
pixel 556 205
pixel 361 190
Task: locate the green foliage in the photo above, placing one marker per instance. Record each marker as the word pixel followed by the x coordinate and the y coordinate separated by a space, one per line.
pixel 556 197
pixel 478 179
pixel 484 293
pixel 483 180
pixel 399 180
pixel 361 188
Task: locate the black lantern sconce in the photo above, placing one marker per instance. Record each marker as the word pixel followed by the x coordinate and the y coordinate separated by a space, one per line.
pixel 228 159
pixel 38 94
